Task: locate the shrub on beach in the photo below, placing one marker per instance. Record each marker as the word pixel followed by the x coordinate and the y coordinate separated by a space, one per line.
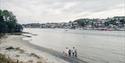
pixel 3 59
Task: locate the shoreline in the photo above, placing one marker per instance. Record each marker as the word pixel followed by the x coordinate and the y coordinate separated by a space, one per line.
pixel 56 55
pixel 76 29
pixel 18 50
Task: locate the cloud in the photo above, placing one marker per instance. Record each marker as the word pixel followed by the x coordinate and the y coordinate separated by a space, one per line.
pixel 62 10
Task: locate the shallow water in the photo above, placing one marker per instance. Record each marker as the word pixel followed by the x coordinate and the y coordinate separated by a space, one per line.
pixel 92 46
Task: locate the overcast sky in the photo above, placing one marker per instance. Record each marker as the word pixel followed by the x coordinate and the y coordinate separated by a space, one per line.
pixel 43 11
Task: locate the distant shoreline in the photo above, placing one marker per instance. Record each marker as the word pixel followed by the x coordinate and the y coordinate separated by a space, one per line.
pixel 72 29
pixel 116 23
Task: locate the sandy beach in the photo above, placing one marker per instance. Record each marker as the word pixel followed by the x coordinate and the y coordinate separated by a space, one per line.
pixel 19 50
pixel 16 49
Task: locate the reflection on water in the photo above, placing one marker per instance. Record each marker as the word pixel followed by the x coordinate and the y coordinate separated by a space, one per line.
pixel 92 46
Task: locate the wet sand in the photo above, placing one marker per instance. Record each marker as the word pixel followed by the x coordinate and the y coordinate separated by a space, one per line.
pixel 57 54
pixel 16 41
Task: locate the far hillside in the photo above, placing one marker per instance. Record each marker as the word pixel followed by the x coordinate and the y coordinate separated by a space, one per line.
pixel 116 23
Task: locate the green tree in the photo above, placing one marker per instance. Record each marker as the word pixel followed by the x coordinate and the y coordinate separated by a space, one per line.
pixel 8 22
pixel 81 22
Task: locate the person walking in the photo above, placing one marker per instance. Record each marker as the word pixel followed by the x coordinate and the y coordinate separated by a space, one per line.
pixel 66 51
pixel 74 52
pixel 69 52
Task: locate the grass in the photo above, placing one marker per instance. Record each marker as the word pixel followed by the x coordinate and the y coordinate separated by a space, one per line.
pixel 3 59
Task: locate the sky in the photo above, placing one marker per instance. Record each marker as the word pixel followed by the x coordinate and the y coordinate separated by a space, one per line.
pixel 44 11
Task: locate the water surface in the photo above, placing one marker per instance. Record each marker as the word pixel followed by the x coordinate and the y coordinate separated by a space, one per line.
pixel 93 46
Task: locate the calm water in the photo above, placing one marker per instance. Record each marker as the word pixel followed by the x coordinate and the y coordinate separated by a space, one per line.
pixel 92 46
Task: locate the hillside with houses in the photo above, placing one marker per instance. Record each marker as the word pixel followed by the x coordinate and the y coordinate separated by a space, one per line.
pixel 114 23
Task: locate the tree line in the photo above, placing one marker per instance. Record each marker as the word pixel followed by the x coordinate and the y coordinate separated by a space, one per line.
pixel 8 22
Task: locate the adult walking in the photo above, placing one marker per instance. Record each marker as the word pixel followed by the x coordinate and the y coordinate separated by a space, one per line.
pixel 74 52
pixel 66 51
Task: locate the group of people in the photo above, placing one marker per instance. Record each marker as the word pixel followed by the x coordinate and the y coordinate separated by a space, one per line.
pixel 70 52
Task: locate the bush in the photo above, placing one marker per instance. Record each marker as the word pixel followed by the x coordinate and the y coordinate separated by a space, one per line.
pixel 8 22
